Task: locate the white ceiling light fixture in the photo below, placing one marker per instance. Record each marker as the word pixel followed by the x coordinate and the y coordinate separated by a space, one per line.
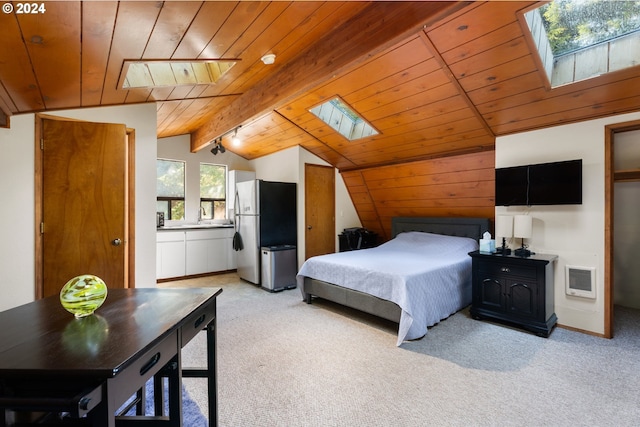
pixel 268 59
pixel 236 141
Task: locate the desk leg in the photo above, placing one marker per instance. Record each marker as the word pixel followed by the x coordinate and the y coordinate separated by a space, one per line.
pixel 175 391
pixel 103 415
pixel 212 371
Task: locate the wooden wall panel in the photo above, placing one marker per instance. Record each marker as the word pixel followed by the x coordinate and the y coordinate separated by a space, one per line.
pixel 456 186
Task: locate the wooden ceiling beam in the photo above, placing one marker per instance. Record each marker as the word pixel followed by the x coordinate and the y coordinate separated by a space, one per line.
pixel 379 26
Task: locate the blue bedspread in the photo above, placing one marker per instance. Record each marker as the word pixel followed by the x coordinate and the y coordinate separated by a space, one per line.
pixel 427 275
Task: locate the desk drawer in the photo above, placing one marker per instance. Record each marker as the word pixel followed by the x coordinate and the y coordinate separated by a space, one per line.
pixel 197 321
pixel 134 377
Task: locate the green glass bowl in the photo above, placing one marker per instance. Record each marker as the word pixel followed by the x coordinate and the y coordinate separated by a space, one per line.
pixel 83 294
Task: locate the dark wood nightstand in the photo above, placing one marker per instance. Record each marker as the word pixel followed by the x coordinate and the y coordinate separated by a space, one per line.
pixel 515 290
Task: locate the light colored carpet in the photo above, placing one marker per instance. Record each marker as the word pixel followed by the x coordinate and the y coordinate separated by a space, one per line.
pixel 282 362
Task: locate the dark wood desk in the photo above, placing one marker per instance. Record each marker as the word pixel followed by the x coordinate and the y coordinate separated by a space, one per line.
pixel 87 368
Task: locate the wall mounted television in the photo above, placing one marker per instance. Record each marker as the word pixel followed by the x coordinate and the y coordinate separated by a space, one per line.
pixel 556 183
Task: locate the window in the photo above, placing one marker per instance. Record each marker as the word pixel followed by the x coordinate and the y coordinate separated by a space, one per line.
pixel 170 188
pixel 343 119
pixel 577 24
pixel 213 191
pixel 579 39
pixel 150 74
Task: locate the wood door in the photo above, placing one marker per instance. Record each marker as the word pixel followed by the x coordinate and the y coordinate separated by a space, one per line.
pixel 84 202
pixel 320 202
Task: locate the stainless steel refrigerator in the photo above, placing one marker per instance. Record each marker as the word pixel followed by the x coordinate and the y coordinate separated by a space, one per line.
pixel 265 215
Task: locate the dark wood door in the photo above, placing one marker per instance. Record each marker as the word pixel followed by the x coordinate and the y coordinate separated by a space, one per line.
pixel 320 229
pixel 84 202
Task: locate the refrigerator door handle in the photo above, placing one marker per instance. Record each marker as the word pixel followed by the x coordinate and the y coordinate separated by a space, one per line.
pixel 237 238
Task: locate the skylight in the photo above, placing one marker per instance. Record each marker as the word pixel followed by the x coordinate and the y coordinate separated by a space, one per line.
pixel 146 74
pixel 578 24
pixel 337 114
pixel 579 39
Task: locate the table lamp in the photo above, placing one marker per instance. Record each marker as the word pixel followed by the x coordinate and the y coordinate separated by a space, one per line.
pixel 504 229
pixel 522 225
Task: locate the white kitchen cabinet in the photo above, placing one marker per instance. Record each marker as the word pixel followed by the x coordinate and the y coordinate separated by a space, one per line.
pixel 170 254
pixel 208 250
pixel 232 258
pixel 194 251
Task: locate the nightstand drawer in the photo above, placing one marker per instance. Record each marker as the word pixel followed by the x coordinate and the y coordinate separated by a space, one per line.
pixel 498 268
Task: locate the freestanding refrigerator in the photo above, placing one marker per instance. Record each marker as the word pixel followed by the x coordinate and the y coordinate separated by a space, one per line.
pixel 265 215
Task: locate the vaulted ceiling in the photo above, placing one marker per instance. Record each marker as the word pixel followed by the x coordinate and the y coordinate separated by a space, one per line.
pixel 434 78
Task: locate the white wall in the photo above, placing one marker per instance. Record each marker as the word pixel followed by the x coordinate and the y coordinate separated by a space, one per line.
pixel 574 233
pixel 179 148
pixel 17 265
pixel 17 268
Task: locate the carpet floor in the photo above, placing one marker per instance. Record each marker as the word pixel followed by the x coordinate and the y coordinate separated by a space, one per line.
pixel 282 362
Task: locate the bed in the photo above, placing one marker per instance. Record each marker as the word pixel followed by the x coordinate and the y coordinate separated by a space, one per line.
pixel 397 280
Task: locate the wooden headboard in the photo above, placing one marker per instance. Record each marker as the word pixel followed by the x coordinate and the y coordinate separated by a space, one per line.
pixel 473 228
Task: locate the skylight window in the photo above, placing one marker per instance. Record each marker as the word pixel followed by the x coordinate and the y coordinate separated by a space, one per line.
pixel 580 39
pixel 343 119
pixel 148 74
pixel 578 24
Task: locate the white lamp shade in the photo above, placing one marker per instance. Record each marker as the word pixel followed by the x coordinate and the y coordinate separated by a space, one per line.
pixel 504 226
pixel 522 225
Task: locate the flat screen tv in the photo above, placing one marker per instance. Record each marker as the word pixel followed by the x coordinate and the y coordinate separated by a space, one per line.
pixel 557 183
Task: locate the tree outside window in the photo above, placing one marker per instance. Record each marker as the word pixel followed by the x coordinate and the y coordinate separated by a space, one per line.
pixel 213 191
pixel 170 188
pixel 576 24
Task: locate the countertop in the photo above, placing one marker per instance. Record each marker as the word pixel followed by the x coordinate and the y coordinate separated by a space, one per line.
pixel 182 227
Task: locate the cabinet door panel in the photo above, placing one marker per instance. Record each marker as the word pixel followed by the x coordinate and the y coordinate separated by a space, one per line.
pixel 206 256
pixel 522 299
pixel 218 258
pixel 172 259
pixel 491 294
pixel 197 256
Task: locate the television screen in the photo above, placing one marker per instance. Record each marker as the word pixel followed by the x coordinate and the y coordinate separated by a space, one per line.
pixel 557 183
pixel 511 186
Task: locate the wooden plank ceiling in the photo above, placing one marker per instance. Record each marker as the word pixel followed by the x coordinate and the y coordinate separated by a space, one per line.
pixel 434 78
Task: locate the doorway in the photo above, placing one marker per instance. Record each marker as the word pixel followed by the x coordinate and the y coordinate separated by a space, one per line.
pixel 620 179
pixel 319 207
pixel 84 202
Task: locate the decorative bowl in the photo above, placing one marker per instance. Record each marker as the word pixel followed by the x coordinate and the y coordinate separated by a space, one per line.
pixel 83 294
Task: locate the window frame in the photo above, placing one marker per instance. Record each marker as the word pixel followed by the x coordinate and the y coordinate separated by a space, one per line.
pixel 170 200
pixel 211 201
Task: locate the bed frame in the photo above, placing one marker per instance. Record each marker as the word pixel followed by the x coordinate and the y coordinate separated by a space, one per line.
pixel 463 227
